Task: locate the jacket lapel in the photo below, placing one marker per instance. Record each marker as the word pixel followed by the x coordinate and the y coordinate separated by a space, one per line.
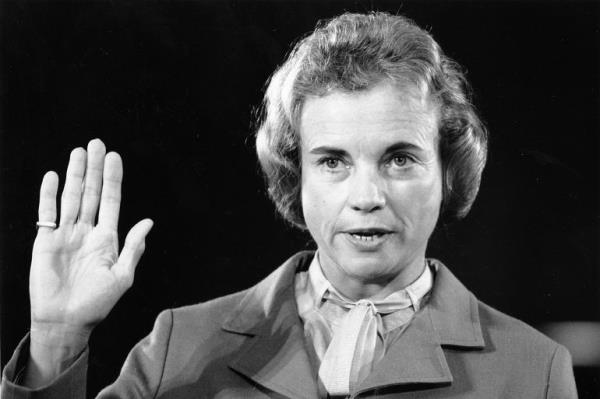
pixel 450 318
pixel 454 311
pixel 415 358
pixel 275 356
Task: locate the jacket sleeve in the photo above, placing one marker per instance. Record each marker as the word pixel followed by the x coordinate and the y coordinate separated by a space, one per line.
pixel 70 384
pixel 140 376
pixel 561 381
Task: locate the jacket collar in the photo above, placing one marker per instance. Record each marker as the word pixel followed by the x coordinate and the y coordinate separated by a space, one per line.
pixel 450 318
pixel 266 300
pixel 454 310
pixel 276 356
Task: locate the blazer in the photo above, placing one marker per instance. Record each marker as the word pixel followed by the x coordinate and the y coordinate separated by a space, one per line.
pixel 251 345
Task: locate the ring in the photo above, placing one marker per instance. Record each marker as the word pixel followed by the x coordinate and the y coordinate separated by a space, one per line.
pixel 52 225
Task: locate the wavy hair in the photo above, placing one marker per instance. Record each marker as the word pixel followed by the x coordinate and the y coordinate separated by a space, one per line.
pixel 354 52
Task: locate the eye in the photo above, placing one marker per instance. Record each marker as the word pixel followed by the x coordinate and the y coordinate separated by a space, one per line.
pixel 400 161
pixel 331 163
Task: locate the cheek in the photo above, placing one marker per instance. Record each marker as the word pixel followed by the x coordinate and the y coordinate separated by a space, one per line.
pixel 418 203
pixel 311 208
pixel 321 204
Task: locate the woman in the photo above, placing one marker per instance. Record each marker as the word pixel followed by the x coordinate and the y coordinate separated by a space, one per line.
pixel 367 139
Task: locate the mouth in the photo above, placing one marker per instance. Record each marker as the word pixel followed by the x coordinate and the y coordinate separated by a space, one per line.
pixel 368 235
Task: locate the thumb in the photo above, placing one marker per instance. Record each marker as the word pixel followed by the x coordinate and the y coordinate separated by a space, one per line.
pixel 133 249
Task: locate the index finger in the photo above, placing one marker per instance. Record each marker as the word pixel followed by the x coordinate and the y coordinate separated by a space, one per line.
pixel 110 201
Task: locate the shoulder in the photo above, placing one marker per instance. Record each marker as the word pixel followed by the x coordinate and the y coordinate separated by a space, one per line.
pixel 204 316
pixel 207 318
pixel 525 350
pixel 457 307
pixel 194 334
pixel 526 354
pixel 507 330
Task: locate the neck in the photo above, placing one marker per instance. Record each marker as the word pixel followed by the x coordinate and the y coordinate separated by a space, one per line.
pixel 356 286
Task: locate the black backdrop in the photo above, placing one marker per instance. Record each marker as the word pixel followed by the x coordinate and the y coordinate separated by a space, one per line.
pixel 173 86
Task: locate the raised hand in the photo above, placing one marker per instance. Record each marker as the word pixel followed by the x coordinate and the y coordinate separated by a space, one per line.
pixel 77 274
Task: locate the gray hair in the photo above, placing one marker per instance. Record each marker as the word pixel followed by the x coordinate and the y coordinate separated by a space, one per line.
pixel 354 52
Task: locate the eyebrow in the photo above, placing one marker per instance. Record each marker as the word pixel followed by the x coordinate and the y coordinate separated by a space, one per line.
pixel 402 146
pixel 399 146
pixel 329 151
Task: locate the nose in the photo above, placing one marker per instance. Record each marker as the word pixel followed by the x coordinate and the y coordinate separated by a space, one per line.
pixel 367 193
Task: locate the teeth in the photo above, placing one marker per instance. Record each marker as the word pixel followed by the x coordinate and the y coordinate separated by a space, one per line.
pixel 365 237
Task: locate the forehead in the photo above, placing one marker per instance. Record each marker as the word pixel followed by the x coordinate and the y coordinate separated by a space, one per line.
pixel 384 114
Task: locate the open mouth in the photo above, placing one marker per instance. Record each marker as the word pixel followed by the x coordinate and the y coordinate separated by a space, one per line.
pixel 367 235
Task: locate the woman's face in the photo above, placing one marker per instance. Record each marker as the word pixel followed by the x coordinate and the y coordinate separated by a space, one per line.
pixel 371 186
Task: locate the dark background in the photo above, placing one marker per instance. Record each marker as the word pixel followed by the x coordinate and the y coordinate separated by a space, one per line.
pixel 173 87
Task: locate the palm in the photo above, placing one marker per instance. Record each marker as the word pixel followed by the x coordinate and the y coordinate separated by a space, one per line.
pixel 77 274
pixel 71 277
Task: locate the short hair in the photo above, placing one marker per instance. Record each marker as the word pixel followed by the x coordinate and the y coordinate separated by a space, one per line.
pixel 354 52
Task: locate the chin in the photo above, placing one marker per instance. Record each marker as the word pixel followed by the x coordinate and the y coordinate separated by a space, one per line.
pixel 367 267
